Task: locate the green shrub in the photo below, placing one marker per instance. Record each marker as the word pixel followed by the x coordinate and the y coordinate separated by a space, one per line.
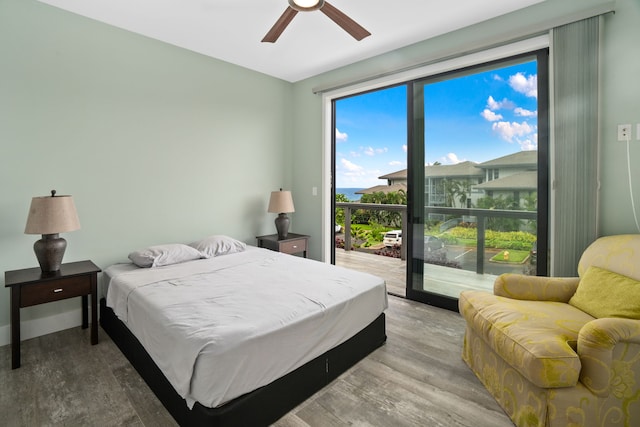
pixel 516 240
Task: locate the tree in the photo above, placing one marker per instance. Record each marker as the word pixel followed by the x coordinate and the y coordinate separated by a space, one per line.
pixel 456 190
pixel 464 193
pixel 388 218
pixel 503 203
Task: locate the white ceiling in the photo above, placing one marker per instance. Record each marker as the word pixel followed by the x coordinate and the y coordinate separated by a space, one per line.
pixel 231 30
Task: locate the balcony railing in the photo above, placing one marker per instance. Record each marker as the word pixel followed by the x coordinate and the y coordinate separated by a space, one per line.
pixel 481 216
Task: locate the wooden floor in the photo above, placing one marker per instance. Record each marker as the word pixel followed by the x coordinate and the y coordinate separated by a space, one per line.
pixel 392 270
pixel 416 379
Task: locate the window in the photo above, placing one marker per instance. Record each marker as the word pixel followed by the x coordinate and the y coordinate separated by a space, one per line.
pixel 481 121
pixel 478 174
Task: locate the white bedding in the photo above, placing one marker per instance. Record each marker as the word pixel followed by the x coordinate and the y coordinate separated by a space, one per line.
pixel 221 327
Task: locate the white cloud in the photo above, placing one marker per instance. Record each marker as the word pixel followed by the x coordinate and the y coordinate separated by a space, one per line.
pixel 493 105
pixel 370 151
pixel 404 147
pixel 353 175
pixel 354 154
pixel 340 136
pixel 525 113
pixel 490 115
pixel 509 131
pixel 530 143
pixel 451 159
pixel 526 85
pixel 395 163
pixel 350 166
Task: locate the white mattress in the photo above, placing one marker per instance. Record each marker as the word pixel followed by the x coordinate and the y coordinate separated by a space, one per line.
pixel 221 327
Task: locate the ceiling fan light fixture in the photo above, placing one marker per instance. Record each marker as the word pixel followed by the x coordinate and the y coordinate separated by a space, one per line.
pixel 349 25
pixel 306 5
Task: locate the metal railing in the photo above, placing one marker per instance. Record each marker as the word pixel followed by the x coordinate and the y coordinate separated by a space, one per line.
pixel 481 222
pixel 481 216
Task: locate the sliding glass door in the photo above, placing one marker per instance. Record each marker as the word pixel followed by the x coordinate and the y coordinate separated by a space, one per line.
pixel 477 177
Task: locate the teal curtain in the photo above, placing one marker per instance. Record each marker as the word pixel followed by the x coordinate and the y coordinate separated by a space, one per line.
pixel 575 56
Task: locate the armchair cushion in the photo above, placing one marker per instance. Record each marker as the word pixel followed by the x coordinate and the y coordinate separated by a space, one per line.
pixel 535 288
pixel 603 293
pixel 536 338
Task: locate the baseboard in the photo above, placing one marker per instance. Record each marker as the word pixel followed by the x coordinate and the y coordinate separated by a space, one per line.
pixel 43 325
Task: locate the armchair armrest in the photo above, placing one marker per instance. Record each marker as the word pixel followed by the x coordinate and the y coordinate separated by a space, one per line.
pixel 602 343
pixel 535 288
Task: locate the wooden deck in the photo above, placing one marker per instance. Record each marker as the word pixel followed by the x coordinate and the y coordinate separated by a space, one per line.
pixel 390 269
pixel 438 279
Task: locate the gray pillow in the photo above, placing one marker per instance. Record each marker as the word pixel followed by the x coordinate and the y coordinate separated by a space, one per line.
pixel 217 245
pixel 161 255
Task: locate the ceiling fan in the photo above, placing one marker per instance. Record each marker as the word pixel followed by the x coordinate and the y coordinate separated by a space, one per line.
pixel 295 6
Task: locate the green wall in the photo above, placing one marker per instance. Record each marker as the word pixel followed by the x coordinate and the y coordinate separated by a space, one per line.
pixel 620 105
pixel 157 144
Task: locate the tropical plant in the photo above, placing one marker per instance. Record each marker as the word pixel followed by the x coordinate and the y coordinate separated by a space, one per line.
pixel 388 218
pixel 503 203
pixel 456 190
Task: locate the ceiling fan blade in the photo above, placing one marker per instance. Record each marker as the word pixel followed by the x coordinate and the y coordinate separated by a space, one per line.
pixel 347 24
pixel 280 25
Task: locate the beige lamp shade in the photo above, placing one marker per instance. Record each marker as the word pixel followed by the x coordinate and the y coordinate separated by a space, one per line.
pixel 52 215
pixel 281 202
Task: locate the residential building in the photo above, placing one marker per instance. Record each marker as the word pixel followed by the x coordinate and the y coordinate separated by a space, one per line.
pixel 513 175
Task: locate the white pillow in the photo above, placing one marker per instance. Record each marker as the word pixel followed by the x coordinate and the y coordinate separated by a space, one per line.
pixel 217 245
pixel 160 255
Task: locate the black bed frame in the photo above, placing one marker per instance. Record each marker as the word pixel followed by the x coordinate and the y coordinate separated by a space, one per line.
pixel 260 407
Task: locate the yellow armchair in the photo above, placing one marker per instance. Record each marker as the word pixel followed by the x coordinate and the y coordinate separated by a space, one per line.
pixel 562 351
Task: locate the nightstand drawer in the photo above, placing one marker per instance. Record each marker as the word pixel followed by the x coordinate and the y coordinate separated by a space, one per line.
pixel 293 246
pixel 54 290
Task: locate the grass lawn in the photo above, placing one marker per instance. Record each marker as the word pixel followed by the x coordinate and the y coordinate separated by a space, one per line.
pixel 511 256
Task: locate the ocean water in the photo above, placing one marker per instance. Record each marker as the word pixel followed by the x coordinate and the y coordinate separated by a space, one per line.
pixel 350 193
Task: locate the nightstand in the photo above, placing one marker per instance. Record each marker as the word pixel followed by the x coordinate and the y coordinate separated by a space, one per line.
pixel 293 244
pixel 31 286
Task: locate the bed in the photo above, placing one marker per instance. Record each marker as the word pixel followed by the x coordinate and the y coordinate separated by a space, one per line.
pixel 231 334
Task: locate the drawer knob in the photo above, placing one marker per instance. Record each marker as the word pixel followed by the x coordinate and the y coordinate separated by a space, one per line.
pixel 57 290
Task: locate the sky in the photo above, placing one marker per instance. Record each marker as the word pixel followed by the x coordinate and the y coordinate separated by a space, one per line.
pixel 477 117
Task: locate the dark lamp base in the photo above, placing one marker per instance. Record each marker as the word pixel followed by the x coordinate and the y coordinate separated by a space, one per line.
pixel 49 251
pixel 282 225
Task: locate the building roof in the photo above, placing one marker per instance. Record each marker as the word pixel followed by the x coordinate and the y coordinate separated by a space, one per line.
pixel 395 175
pixel 462 169
pixel 384 188
pixel 517 181
pixel 519 159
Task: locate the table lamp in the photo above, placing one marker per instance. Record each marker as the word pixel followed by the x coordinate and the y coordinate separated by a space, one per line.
pixel 48 216
pixel 281 203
